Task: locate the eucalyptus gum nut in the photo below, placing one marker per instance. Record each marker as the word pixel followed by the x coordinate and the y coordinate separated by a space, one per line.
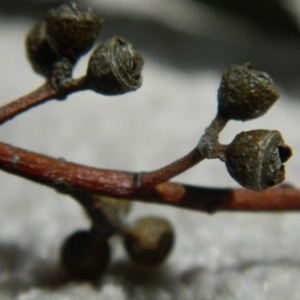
pixel 115 68
pixel 150 240
pixel 244 93
pixel 72 30
pixel 84 256
pixel 38 50
pixel 255 159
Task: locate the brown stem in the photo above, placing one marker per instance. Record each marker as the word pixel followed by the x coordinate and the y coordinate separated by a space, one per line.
pixel 280 199
pixel 209 145
pixel 163 174
pixel 37 97
pixel 70 178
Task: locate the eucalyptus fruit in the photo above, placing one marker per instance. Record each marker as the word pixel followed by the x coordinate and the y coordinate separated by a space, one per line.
pixel 244 93
pixel 39 52
pixel 255 159
pixel 72 30
pixel 115 67
pixel 149 241
pixel 84 256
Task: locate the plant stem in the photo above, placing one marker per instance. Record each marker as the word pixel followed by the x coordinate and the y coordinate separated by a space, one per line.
pixel 209 145
pixel 149 179
pixel 67 177
pixel 39 96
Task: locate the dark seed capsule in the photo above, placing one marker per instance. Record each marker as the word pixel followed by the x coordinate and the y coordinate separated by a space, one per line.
pixel 245 93
pixel 149 241
pixel 115 68
pixel 85 257
pixel 38 50
pixel 255 159
pixel 72 30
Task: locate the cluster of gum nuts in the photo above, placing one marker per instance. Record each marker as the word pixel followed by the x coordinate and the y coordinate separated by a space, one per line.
pixel 53 48
pixel 254 158
pixel 86 253
pixel 69 31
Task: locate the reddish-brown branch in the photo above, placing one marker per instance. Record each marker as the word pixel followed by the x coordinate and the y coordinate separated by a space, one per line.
pixel 71 178
pixel 281 198
pixel 62 175
pixel 37 97
pixel 149 179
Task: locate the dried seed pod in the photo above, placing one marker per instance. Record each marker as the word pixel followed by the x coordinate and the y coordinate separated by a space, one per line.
pixel 38 50
pixel 255 159
pixel 72 30
pixel 245 93
pixel 149 241
pixel 115 68
pixel 85 257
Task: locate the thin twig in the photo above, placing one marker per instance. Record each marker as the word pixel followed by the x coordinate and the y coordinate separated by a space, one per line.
pixel 150 179
pixel 39 96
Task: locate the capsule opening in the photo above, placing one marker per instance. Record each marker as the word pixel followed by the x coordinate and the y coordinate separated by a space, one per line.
pixel 285 153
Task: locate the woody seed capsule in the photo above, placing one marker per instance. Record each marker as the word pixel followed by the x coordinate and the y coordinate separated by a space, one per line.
pixel 84 256
pixel 244 93
pixel 115 68
pixel 38 50
pixel 72 30
pixel 149 241
pixel 255 159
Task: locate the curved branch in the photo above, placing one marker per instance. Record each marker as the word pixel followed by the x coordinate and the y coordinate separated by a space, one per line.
pixel 39 96
pixel 70 178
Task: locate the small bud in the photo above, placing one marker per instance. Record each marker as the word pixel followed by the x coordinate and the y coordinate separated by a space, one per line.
pixel 115 68
pixel 150 240
pixel 85 257
pixel 255 159
pixel 39 52
pixel 245 93
pixel 72 30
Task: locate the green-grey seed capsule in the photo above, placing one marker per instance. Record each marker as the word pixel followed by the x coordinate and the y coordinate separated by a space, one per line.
pixel 85 257
pixel 115 68
pixel 72 30
pixel 245 93
pixel 150 240
pixel 255 159
pixel 38 50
